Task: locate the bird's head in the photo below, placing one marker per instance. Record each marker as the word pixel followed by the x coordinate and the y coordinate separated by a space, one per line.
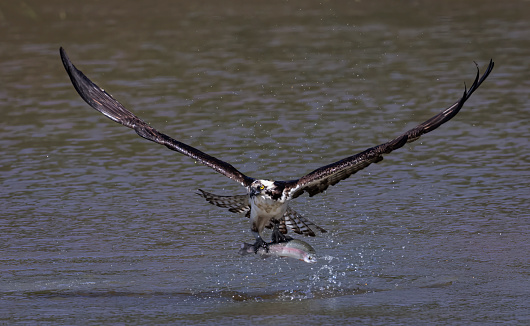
pixel 260 187
pixel 266 188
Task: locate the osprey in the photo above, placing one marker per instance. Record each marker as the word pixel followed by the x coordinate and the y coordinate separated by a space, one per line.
pixel 266 202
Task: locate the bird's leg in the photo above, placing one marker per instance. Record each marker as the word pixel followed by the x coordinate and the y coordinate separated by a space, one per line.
pixel 277 236
pixel 260 243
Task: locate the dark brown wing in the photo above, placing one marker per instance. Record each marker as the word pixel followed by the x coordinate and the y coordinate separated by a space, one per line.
pixel 102 101
pixel 320 179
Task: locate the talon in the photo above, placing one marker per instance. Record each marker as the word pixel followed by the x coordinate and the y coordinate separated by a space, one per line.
pixel 278 237
pixel 265 246
pixel 260 244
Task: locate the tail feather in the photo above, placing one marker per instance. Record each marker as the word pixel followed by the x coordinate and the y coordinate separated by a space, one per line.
pixel 300 224
pixel 240 204
pixel 235 204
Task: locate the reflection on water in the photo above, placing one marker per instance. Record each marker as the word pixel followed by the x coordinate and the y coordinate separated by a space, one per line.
pixel 100 226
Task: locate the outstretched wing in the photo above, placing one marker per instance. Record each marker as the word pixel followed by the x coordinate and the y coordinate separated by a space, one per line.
pixel 102 101
pixel 320 179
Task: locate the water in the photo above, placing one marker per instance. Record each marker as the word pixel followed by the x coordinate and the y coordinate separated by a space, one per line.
pixel 100 226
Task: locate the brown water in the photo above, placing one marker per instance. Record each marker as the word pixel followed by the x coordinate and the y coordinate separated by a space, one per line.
pixel 100 226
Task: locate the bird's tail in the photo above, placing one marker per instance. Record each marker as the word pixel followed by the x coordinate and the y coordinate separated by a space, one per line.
pixel 240 204
pixel 235 204
pixel 300 224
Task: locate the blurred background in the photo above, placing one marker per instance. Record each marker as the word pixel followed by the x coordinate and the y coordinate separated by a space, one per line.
pixel 100 226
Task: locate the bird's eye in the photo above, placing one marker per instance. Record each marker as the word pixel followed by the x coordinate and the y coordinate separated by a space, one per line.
pixel 261 187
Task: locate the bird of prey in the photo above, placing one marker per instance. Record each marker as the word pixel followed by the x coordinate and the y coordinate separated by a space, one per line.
pixel 267 201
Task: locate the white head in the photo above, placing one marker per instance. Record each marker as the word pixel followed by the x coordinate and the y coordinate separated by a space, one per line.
pixel 262 188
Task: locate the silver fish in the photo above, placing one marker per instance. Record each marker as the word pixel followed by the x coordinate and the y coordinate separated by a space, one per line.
pixel 294 248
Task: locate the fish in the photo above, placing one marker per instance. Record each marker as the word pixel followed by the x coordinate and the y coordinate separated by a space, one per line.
pixel 293 248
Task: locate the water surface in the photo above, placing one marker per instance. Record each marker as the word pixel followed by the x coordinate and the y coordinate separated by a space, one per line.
pixel 100 226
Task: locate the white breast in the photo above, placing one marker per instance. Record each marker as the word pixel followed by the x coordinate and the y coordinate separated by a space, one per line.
pixel 263 209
